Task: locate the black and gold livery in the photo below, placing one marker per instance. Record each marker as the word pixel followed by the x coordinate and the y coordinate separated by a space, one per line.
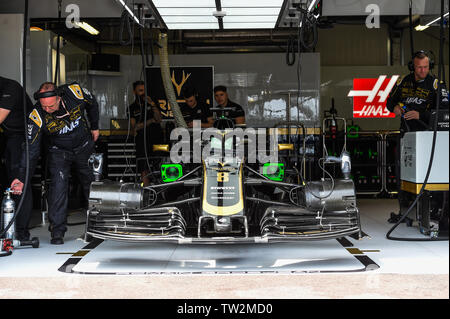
pixel 222 187
pixel 224 199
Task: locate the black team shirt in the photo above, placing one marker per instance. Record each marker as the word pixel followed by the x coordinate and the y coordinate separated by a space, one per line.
pixel 11 98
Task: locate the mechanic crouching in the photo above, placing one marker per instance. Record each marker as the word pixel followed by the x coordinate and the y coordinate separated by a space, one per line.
pixel 59 113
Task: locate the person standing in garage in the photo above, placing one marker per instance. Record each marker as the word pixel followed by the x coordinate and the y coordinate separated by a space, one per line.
pixel 413 98
pixel 154 134
pixel 237 115
pixel 12 123
pixel 415 95
pixel 59 113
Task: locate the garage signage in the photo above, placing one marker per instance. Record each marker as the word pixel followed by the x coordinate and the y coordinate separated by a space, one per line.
pixel 370 95
pixel 199 77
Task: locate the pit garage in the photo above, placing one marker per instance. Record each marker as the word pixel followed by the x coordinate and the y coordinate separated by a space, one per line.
pixel 276 149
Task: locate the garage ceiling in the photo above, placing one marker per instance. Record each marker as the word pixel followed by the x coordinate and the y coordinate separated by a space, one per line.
pixel 113 8
pixel 218 25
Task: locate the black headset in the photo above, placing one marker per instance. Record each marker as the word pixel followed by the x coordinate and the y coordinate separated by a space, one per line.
pixel 40 95
pixel 411 63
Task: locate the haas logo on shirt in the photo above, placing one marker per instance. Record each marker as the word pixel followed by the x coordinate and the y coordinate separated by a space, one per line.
pixel 414 100
pixel 71 127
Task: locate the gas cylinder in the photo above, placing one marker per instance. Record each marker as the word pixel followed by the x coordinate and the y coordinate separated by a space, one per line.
pixel 7 214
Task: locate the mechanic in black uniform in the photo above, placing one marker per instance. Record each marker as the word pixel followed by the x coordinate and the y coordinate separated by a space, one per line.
pixel 154 133
pixel 413 98
pixel 415 95
pixel 59 113
pixel 221 97
pixel 196 109
pixel 12 123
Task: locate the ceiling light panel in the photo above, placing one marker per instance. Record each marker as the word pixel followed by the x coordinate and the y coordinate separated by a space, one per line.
pixel 189 19
pixel 198 14
pixel 252 3
pixel 249 25
pixel 436 20
pixel 251 11
pixel 193 26
pixel 208 11
pixel 184 3
pixel 186 11
pixel 87 27
pixel 250 19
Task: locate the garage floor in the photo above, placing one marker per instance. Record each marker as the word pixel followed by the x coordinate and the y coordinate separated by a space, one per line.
pixel 373 267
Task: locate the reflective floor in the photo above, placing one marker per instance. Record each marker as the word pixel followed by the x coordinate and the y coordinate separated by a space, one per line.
pixel 116 257
pixel 367 262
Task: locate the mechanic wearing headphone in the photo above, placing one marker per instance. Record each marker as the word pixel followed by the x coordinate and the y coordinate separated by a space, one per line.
pixel 413 98
pixel 195 109
pixel 59 113
pixel 415 95
pixel 12 123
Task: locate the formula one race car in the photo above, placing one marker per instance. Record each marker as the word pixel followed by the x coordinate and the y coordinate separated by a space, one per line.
pixel 227 198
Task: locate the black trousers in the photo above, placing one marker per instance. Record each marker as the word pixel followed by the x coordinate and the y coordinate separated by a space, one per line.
pixel 14 149
pixel 60 163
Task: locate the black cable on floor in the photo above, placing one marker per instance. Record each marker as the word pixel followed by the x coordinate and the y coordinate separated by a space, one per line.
pixel 6 254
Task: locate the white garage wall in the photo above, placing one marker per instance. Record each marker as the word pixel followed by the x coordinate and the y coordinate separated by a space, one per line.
pixel 11 37
pixel 258 82
pixel 114 93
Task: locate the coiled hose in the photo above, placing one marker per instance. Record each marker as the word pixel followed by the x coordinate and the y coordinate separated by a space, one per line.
pixel 167 81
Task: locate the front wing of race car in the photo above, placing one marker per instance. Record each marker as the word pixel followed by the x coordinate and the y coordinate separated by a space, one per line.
pixel 167 225
pixel 224 213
